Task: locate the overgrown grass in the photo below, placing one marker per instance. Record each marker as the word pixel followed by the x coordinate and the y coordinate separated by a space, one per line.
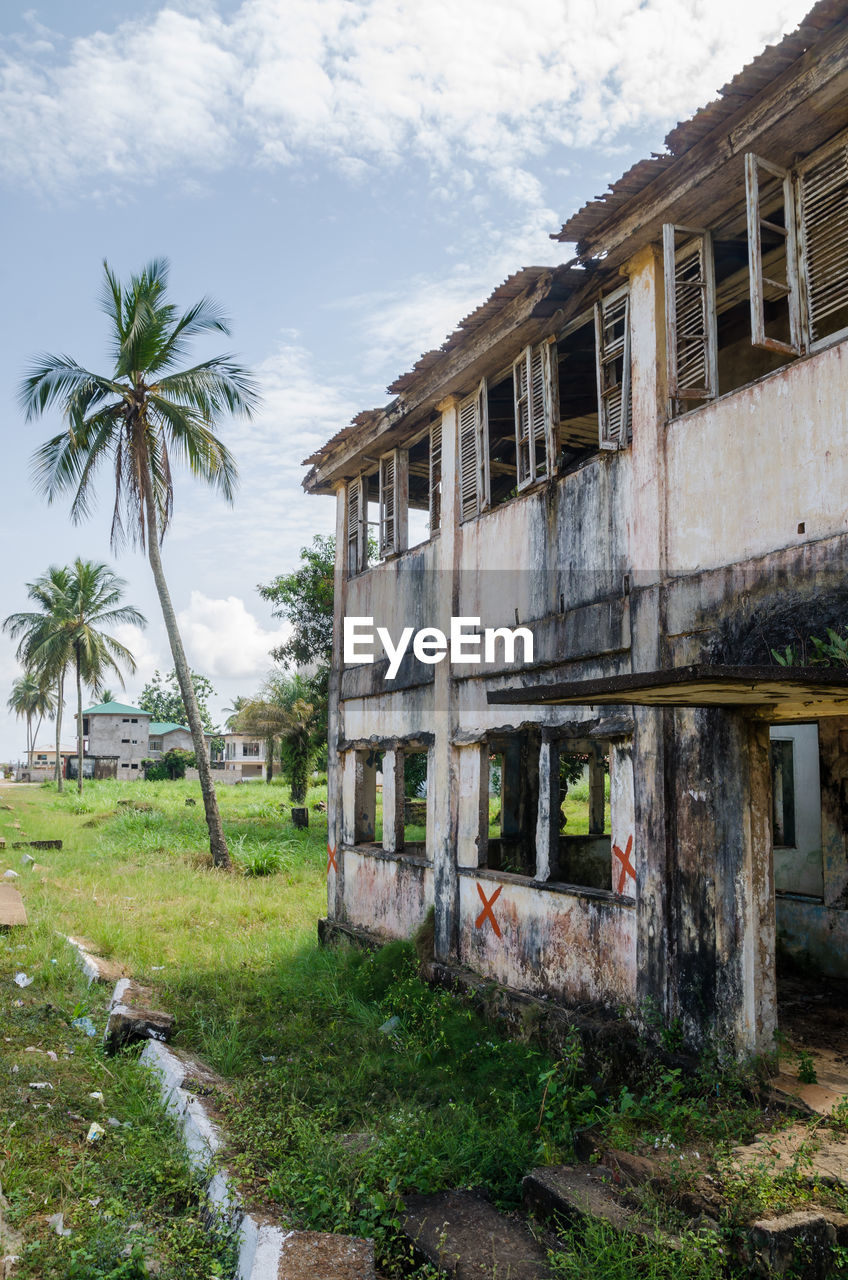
pixel 349 1082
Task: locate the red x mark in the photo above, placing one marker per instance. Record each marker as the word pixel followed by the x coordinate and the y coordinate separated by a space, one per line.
pixel 486 913
pixel 626 864
pixel 331 858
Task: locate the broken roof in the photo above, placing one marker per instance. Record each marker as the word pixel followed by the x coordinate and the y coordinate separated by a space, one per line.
pixel 786 692
pixel 736 96
pixel 531 295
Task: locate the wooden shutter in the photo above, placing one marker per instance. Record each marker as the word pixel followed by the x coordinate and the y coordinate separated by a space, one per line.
pixel 824 230
pixel 388 505
pixel 549 352
pixel 469 500
pixel 356 514
pixel 762 285
pixel 690 315
pixel 483 491
pixel 535 421
pixel 612 365
pixel 435 476
pixel 521 387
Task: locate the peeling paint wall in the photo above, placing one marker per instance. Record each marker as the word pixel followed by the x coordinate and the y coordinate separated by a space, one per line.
pixel 570 944
pixel 389 895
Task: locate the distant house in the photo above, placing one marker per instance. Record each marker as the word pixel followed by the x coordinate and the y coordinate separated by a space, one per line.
pixel 116 730
pixel 244 754
pixel 41 763
pixel 164 736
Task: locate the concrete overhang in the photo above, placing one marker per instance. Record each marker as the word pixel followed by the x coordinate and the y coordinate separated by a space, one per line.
pixel 773 693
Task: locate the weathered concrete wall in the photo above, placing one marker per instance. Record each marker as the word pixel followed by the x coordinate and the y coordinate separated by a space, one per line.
pixel 388 894
pixel 126 737
pixel 770 456
pixel 577 945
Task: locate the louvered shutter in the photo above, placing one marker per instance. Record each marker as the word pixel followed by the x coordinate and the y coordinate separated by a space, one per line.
pixel 612 363
pixel 551 370
pixel 484 496
pixel 435 476
pixel 760 173
pixel 824 221
pixel 388 505
pixel 538 416
pixel 521 386
pixel 356 512
pixel 690 315
pixel 469 436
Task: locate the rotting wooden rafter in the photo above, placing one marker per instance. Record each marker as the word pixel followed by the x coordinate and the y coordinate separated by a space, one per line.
pixel 815 70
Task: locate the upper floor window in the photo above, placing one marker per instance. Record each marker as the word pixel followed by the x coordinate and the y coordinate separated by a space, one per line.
pixel 250 749
pixel 767 285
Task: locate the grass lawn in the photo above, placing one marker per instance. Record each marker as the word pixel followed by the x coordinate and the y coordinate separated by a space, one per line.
pixel 331 1116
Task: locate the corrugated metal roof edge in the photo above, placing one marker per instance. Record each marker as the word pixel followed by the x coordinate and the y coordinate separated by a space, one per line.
pixel 507 291
pixel 824 17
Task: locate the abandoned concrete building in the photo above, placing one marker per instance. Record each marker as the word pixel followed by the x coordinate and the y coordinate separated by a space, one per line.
pixel 641 457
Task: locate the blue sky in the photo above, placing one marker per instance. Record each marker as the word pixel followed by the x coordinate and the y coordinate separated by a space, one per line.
pixel 349 178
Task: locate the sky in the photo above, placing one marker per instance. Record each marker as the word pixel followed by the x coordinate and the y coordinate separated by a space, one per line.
pixel 348 178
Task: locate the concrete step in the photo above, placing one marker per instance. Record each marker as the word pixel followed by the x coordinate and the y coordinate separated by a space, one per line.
pixel 576 1193
pixel 464 1235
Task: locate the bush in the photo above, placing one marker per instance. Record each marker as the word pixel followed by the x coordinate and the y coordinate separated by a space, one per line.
pixel 171 767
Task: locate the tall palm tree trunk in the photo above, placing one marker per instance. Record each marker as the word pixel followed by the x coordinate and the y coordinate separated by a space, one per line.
pixel 217 840
pixel 60 690
pixel 79 720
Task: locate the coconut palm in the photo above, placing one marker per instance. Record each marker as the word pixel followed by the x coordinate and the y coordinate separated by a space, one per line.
pixel 94 602
pixel 44 639
pixel 143 416
pixel 31 698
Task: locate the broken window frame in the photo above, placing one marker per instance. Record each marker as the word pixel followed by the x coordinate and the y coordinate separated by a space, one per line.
pixel 612 433
pixel 356 516
pixel 701 241
pixel 535 398
pixel 473 454
pixel 836 238
pixel 393 503
pixel 758 281
pixel 435 482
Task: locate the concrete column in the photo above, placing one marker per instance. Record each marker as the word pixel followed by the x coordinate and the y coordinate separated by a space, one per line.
pixel 366 797
pixel 473 821
pixel 347 817
pixel 547 824
pixel 443 782
pixel 652 849
pixel 337 835
pixel 597 799
pixel 722 929
pixel 393 801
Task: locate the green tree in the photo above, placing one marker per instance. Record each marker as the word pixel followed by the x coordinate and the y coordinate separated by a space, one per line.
pixel 44 642
pixel 162 698
pixel 94 602
pixel 145 415
pixel 304 598
pixel 287 721
pixel 31 698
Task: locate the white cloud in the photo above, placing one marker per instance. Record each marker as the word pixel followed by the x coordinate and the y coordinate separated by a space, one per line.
pixel 147 658
pixel 492 83
pixel 223 639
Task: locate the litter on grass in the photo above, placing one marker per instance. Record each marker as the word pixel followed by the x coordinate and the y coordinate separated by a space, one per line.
pixel 85 1024
pixel 57 1222
pixel 22 980
pixel 95 1132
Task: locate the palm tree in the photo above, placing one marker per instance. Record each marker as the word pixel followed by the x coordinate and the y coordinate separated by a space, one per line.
pixel 31 697
pixel 94 601
pixel 44 640
pixel 141 417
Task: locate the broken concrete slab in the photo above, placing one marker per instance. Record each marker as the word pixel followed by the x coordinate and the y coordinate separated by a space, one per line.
pixel 12 909
pixel 36 844
pixel 96 968
pixel 828 1089
pixel 680 1181
pixel 464 1235
pixel 306 1255
pixel 132 1017
pixel 267 1251
pixel 813 1155
pixel 575 1194
pixel 801 1243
